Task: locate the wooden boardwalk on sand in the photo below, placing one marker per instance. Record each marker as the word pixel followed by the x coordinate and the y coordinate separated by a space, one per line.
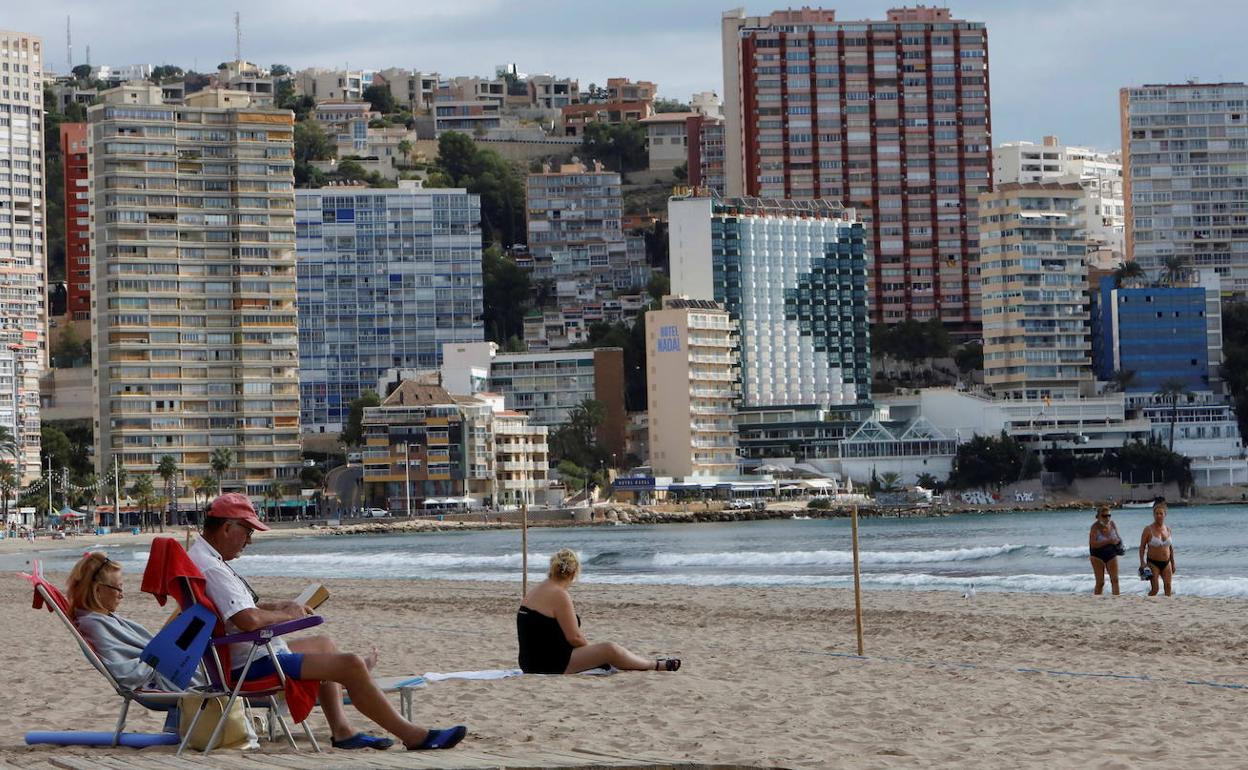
pixel 160 759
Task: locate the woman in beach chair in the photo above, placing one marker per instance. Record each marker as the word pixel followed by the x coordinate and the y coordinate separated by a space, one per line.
pixel 1104 545
pixel 95 591
pixel 550 635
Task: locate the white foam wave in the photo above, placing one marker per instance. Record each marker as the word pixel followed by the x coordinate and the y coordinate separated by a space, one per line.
pixel 828 558
pixel 385 560
pixel 1065 552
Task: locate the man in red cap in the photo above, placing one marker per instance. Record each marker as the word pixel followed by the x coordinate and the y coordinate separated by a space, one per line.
pixel 228 525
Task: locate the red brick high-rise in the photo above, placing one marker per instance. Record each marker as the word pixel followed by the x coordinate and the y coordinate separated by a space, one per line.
pixel 890 116
pixel 77 220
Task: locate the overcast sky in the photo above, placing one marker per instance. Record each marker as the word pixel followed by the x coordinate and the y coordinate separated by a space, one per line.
pixel 1055 66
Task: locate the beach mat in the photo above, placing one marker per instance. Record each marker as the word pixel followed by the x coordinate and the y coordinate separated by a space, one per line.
pixel 85 738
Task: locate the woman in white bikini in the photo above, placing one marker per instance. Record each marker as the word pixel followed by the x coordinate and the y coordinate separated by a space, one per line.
pixel 1157 546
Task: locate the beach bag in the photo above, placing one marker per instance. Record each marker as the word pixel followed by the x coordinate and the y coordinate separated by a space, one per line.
pixel 236 734
pixel 1119 548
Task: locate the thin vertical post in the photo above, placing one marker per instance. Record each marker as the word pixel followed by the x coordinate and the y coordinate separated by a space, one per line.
pixel 524 547
pixel 857 579
pixel 407 475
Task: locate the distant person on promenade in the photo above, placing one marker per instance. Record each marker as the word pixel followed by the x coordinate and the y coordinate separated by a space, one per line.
pixel 228 525
pixel 1157 546
pixel 1105 545
pixel 549 630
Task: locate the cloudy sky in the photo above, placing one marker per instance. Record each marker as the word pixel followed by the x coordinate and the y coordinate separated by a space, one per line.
pixel 1055 67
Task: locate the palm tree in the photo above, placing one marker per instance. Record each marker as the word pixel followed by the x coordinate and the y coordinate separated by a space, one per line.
pixel 1172 391
pixel 1173 270
pixel 203 485
pixel 144 493
pixel 1123 379
pixel 168 470
pixel 888 481
pixel 1127 272
pixel 221 461
pixel 8 484
pixel 405 150
pixel 274 493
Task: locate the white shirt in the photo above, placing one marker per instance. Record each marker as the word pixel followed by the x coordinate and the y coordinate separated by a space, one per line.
pixel 231 595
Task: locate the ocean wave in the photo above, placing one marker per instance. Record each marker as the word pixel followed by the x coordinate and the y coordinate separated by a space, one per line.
pixel 276 563
pixel 1065 552
pixel 828 558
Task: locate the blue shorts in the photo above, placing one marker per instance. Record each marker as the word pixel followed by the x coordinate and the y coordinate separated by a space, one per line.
pixel 292 666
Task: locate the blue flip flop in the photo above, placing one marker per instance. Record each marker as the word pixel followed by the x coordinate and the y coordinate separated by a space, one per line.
pixel 444 738
pixel 363 741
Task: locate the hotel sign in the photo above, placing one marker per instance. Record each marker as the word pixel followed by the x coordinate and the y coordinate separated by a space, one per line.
pixel 669 340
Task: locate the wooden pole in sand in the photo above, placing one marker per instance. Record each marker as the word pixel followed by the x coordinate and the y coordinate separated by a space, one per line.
pixel 524 546
pixel 853 521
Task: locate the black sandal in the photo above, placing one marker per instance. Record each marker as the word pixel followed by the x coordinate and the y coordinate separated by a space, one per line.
pixel 667 664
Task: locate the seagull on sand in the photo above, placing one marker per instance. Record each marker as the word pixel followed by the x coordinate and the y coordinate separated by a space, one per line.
pixel 970 593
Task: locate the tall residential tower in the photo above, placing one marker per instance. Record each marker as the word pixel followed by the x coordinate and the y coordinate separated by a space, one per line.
pixel 889 115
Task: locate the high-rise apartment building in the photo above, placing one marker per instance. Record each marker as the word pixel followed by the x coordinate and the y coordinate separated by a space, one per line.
pixel 705 157
pixel 1036 316
pixel 793 274
pixel 386 277
pixel 77 219
pixel 691 350
pixel 574 221
pixel 23 259
pixel 890 115
pixel 1099 173
pixel 1185 177
pixel 194 335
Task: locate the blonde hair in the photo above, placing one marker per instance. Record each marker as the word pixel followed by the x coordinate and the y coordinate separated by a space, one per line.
pixel 82 588
pixel 1102 508
pixel 564 565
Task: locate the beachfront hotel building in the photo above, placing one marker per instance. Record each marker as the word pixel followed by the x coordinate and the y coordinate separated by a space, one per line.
pixel 545 386
pixel 428 448
pixel 891 115
pixel 692 388
pixel 1035 278
pixel 193 326
pixel 77 207
pixel 386 278
pixel 793 275
pixel 23 234
pixel 1185 177
pixel 1098 172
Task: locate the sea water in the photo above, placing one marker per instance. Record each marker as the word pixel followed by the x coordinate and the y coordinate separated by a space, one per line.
pixel 1030 551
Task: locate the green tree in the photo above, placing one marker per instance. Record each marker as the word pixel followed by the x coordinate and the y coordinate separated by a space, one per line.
pixel 671 105
pixel 168 470
pixel 381 99
pixel 987 461
pixel 82 73
pixel 484 172
pixel 405 151
pixel 1235 358
pixel 1123 379
pixel 274 493
pixel 353 434
pixel 203 486
pixel 279 70
pixel 165 72
pixel 1147 462
pixel 220 460
pixel 506 295
pixel 8 484
pixel 1173 271
pixel 889 481
pixel 1171 391
pixel 144 494
pixel 1128 272
pixel 577 439
pixel 312 143
pixel 54 444
pixel 618 146
pixel 8 444
pixel 658 287
pixel 927 481
pixel 969 357
pixel 71 350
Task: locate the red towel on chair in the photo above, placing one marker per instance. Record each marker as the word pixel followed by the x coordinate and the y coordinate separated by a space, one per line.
pixel 169 571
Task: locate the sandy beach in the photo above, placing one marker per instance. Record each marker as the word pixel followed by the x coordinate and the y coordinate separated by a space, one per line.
pixel 768 679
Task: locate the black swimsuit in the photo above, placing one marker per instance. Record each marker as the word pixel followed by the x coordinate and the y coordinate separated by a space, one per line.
pixel 543 647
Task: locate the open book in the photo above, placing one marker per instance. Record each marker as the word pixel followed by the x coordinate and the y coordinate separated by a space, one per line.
pixel 313 596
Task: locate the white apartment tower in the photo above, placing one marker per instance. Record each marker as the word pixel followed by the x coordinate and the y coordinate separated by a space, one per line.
pixel 1098 173
pixel 193 308
pixel 23 260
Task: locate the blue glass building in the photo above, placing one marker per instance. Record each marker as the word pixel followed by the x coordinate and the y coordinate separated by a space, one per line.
pixel 1160 332
pixel 385 277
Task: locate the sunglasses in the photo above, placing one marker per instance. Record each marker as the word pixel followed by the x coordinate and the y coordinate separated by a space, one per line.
pixel 118 589
pixel 1104 516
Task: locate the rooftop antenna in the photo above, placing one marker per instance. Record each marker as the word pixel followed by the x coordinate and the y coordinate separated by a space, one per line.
pixel 88 54
pixel 69 44
pixel 238 37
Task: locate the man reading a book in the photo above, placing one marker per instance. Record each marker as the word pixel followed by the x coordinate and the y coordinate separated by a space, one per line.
pixel 228 525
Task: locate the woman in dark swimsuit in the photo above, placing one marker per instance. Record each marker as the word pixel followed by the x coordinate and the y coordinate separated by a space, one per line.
pixel 1157 544
pixel 550 635
pixel 1103 543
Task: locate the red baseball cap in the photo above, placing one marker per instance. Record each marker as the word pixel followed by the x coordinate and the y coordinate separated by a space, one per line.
pixel 235 506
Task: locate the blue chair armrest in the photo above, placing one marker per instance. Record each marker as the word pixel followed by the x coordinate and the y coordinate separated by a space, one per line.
pixel 262 635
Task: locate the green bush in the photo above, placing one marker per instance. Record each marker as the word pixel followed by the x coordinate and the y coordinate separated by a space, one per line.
pixel 820 504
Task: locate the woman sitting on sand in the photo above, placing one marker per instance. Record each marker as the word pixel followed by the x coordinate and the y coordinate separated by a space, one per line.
pixel 95 590
pixel 1104 542
pixel 1157 544
pixel 550 635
